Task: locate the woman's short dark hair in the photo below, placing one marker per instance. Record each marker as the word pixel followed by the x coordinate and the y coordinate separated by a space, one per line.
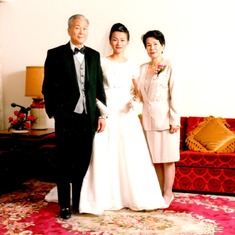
pixel 118 27
pixel 154 34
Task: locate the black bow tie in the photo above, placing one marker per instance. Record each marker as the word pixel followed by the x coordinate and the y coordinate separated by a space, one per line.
pixel 76 50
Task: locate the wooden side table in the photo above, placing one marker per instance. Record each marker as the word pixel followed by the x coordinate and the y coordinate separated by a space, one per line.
pixel 32 133
pixel 19 156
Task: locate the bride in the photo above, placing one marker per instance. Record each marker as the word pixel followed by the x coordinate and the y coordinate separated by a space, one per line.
pixel 121 173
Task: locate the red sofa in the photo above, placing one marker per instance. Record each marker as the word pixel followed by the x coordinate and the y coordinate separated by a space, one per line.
pixel 204 172
pixel 195 172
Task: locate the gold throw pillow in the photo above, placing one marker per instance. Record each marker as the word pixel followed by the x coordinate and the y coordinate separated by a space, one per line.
pixel 211 135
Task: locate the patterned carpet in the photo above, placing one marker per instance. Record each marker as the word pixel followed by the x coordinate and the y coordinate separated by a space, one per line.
pixel 25 212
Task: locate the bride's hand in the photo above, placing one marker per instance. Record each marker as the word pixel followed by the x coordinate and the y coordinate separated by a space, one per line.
pixel 134 103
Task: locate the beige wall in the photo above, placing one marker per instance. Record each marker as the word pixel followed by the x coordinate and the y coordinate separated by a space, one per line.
pixel 200 39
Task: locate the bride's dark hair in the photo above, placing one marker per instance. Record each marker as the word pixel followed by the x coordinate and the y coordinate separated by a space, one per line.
pixel 118 27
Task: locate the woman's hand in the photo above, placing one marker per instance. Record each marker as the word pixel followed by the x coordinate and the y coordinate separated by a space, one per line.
pixel 174 129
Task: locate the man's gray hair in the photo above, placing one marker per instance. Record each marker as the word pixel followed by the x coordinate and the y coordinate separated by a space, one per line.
pixel 77 16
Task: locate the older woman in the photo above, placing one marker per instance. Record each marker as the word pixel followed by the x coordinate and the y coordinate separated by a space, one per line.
pixel 161 119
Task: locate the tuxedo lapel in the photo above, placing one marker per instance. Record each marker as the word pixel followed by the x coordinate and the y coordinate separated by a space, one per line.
pixel 69 61
pixel 88 62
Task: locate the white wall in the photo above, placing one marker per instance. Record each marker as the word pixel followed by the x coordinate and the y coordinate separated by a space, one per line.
pixel 200 39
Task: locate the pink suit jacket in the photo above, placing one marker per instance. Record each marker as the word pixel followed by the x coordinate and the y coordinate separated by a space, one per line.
pixel 161 100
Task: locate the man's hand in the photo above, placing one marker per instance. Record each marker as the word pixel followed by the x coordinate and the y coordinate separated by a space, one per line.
pixel 101 124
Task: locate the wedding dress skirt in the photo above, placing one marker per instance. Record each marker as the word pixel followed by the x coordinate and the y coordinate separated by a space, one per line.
pixel 121 173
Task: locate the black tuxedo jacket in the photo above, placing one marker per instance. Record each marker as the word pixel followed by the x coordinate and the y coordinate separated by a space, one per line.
pixel 60 87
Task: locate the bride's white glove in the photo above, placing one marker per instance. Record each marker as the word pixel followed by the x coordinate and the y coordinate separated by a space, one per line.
pixel 103 109
pixel 134 104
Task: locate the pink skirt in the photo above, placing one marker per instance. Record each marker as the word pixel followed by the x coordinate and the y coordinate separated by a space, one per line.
pixel 163 146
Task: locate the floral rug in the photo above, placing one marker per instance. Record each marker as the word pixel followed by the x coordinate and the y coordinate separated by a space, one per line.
pixel 25 212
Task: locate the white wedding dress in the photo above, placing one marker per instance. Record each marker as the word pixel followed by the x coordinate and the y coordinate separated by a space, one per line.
pixel 121 173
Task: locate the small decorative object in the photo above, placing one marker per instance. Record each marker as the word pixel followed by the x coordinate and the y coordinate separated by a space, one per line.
pixel 158 68
pixel 22 121
pixel 141 118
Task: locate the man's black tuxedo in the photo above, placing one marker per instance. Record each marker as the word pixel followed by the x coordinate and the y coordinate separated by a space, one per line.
pixel 74 132
pixel 60 86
